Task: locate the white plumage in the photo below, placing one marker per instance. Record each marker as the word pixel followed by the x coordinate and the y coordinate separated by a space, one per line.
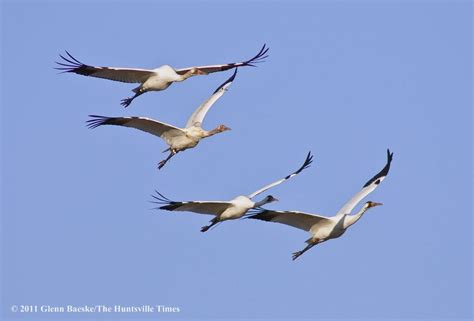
pixel 150 79
pixel 229 210
pixel 178 139
pixel 323 228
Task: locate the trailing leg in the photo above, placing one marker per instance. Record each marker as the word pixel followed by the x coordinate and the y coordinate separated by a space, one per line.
pixel 298 253
pixel 127 101
pixel 214 221
pixel 163 162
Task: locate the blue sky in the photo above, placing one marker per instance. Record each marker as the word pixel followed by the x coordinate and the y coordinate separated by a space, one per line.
pixel 345 80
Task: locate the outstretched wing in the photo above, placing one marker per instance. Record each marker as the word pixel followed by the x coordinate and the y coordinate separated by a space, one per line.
pixel 301 220
pixel 200 207
pixel 197 117
pixel 215 68
pixel 144 124
pixel 368 188
pixel 129 75
pixel 306 164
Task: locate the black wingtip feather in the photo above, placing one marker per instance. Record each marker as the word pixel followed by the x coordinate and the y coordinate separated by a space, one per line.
pixel 233 75
pixel 263 215
pixel 384 171
pixel 71 64
pixel 259 57
pixel 389 156
pixel 162 197
pixel 171 207
pixel 306 164
pixel 231 79
pixel 97 121
pixel 70 56
pixel 166 203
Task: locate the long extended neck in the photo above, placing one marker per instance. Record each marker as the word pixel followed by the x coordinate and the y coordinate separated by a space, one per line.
pixel 352 219
pixel 261 203
pixel 185 76
pixel 216 130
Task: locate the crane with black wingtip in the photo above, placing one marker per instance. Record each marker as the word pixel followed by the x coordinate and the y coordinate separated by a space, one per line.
pixel 178 139
pixel 323 228
pixel 226 210
pixel 150 79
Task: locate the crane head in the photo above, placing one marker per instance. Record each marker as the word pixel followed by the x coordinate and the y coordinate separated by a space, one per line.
pixel 222 128
pixel 270 199
pixel 370 204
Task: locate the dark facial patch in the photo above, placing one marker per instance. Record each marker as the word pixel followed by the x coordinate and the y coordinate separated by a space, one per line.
pixel 377 182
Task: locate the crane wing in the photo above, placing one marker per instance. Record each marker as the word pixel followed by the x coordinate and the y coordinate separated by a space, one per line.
pixel 306 164
pixel 200 207
pixel 197 117
pixel 368 188
pixel 129 75
pixel 215 68
pixel 144 124
pixel 301 220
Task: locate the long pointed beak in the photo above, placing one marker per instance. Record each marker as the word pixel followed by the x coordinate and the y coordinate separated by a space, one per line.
pixel 376 204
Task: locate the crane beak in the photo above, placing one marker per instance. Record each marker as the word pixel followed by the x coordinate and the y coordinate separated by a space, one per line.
pixel 376 204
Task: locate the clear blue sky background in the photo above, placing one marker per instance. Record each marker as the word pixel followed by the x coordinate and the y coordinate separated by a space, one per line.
pixel 345 80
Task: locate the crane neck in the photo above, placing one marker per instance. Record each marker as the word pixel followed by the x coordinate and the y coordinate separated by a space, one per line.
pixel 262 202
pixel 352 219
pixel 185 76
pixel 217 130
pixel 211 132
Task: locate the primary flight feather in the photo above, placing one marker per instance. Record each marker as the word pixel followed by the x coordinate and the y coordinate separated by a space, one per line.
pixel 150 79
pixel 226 210
pixel 324 228
pixel 178 139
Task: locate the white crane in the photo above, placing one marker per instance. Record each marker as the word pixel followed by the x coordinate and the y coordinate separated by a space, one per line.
pixel 227 210
pixel 178 139
pixel 150 79
pixel 324 228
